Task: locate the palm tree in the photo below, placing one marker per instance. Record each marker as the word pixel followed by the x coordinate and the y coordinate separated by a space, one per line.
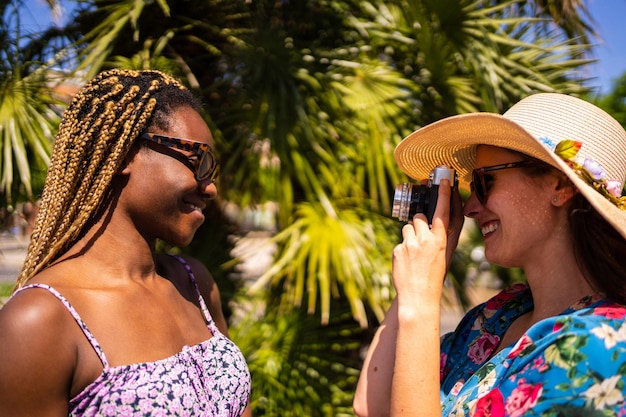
pixel 29 102
pixel 571 16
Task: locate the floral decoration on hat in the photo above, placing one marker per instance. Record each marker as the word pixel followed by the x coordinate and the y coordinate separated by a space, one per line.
pixel 587 169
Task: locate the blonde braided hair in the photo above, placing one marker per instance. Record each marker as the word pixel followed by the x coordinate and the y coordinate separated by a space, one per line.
pixel 96 133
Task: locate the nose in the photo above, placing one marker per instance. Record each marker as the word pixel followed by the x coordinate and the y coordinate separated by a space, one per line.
pixel 472 206
pixel 208 188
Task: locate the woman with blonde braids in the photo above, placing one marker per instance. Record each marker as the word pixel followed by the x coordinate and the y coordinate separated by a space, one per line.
pixel 99 323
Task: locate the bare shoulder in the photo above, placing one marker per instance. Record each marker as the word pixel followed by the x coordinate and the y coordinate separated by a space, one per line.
pixel 32 311
pixel 37 353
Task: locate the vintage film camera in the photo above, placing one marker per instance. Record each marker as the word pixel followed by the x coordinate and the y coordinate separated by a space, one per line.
pixel 410 199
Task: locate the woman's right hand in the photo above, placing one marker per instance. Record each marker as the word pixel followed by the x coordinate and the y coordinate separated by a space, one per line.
pixel 455 225
pixel 420 261
pixel 419 267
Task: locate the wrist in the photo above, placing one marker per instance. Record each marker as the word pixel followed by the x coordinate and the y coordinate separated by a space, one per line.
pixel 418 311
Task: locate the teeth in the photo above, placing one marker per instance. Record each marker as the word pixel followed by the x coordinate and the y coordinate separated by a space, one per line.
pixel 488 228
pixel 196 208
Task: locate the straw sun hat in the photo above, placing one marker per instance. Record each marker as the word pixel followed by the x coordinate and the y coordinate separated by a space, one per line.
pixel 578 138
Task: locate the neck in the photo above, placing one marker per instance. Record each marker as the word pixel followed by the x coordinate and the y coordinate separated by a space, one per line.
pixel 556 282
pixel 114 245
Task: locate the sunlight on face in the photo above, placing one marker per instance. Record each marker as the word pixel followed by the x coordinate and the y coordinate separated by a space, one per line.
pixel 518 220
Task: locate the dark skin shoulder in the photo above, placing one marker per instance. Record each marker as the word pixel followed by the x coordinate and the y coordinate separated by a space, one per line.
pixel 39 352
pixel 45 359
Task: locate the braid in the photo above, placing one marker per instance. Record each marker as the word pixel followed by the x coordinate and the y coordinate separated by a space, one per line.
pixel 96 133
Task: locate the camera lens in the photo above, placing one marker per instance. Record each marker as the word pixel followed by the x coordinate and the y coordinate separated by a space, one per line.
pixel 408 200
pixel 400 205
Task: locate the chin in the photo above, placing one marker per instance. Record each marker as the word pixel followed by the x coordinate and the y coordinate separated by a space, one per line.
pixel 494 259
pixel 499 261
pixel 180 239
pixel 185 242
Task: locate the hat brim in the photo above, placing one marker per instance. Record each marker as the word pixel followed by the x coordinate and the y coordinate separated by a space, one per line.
pixel 453 141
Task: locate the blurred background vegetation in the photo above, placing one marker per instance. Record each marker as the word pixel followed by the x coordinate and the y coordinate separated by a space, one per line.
pixel 306 100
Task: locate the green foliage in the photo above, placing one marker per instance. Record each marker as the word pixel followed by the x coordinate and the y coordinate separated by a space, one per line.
pixel 27 117
pixel 615 101
pixel 25 138
pixel 300 367
pixel 339 252
pixel 6 288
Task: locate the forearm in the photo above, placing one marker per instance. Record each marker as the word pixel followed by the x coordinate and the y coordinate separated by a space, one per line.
pixel 415 385
pixel 373 393
pixel 402 372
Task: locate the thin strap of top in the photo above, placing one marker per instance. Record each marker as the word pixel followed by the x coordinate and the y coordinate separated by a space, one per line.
pixel 207 315
pixel 74 314
pixel 92 340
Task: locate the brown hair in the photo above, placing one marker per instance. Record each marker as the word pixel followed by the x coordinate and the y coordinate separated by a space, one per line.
pixel 599 248
pixel 96 133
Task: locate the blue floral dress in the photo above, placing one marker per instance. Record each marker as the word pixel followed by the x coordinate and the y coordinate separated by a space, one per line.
pixel 573 364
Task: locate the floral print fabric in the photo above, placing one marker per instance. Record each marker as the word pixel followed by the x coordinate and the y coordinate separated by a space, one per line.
pixel 208 379
pixel 573 364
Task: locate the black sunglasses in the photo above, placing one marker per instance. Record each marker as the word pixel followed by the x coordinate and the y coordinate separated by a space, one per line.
pixel 478 184
pixel 202 163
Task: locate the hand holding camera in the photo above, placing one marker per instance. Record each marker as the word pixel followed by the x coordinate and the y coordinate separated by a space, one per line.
pixel 410 199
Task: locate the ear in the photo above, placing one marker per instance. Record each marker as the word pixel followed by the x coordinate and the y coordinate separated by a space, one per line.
pixel 563 191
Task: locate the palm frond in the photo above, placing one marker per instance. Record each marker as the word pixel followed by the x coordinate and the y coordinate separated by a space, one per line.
pixel 342 256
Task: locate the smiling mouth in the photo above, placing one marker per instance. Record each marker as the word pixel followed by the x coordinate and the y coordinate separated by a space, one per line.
pixel 194 206
pixel 488 228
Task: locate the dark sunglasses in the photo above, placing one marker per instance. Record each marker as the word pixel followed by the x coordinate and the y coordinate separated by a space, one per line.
pixel 479 185
pixel 202 163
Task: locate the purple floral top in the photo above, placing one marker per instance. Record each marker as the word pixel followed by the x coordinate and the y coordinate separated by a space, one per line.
pixel 573 364
pixel 207 379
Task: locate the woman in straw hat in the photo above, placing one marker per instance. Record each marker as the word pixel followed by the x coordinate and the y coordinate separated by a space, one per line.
pixel 100 324
pixel 546 180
